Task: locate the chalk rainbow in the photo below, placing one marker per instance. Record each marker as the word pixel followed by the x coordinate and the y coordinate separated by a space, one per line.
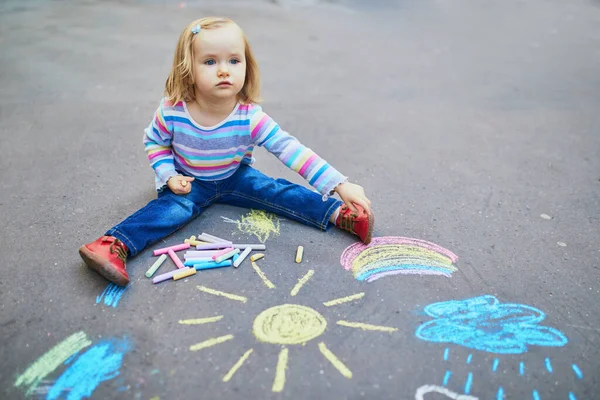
pixel 392 255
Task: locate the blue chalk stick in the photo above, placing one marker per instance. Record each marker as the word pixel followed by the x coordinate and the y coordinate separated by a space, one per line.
pixel 210 265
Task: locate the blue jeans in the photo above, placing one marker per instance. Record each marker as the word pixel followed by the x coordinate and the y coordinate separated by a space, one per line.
pixel 247 187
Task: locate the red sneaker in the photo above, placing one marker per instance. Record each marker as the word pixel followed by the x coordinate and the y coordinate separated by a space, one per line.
pixel 107 256
pixel 361 225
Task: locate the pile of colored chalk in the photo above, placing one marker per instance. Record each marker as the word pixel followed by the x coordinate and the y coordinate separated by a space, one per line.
pixel 211 252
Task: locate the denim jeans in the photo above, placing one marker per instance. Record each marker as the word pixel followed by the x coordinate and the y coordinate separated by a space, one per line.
pixel 247 187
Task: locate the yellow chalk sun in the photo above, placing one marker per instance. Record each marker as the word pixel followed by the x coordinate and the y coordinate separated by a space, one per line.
pixel 286 324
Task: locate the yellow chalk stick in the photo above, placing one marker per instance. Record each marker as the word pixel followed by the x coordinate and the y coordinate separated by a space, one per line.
pixel 299 253
pixel 184 274
pixel 257 256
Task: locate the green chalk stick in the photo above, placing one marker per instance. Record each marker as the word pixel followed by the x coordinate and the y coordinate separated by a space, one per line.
pixel 156 265
pixel 227 255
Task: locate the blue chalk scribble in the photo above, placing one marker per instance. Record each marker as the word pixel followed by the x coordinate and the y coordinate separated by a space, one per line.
pixel 536 395
pixel 572 396
pixel 468 383
pixel 522 368
pixel 469 358
pixel 577 371
pixel 98 364
pixel 500 395
pixel 111 295
pixel 495 365
pixel 446 378
pixel 548 365
pixel 446 354
pixel 483 323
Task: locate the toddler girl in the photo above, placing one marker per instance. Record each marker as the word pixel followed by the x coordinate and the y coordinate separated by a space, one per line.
pixel 200 146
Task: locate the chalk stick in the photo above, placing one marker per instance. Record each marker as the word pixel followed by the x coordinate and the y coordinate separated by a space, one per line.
pixel 210 265
pixel 193 242
pixel 156 265
pixel 191 261
pixel 212 246
pixel 201 253
pixel 252 246
pixel 166 276
pixel 210 238
pixel 224 251
pixel 184 274
pixel 256 256
pixel 175 259
pixel 299 254
pixel 240 259
pixel 227 255
pixel 178 247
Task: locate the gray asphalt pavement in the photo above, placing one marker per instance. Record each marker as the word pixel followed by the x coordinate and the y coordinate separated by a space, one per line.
pixel 471 124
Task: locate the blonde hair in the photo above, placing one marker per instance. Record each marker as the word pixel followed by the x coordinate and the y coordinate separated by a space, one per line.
pixel 180 83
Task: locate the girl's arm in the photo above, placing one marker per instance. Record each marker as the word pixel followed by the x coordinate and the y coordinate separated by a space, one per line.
pixel 157 142
pixel 267 133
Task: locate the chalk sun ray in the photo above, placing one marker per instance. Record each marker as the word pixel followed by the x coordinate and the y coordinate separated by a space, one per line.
pixel 200 321
pixel 223 294
pixel 301 282
pixel 366 327
pixel 279 381
pixel 262 276
pixel 237 365
pixel 335 361
pixel 343 300
pixel 210 342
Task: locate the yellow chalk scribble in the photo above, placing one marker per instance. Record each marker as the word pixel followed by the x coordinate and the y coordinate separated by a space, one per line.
pixel 210 342
pixel 301 282
pixel 279 381
pixel 342 300
pixel 367 327
pixel 237 365
pixel 335 361
pixel 288 324
pixel 263 276
pixel 199 321
pixel 219 293
pixel 260 224
pixel 53 359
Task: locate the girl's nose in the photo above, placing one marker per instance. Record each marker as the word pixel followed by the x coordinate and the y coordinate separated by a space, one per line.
pixel 223 72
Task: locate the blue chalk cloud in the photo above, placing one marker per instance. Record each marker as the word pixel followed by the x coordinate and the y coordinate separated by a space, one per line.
pixel 482 323
pixel 100 363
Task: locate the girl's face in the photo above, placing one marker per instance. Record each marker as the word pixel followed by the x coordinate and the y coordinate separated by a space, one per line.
pixel 219 62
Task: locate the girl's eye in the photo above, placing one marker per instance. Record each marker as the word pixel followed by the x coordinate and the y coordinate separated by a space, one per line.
pixel 209 62
pixel 234 61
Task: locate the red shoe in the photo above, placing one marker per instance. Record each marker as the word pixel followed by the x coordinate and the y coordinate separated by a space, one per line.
pixel 361 225
pixel 107 256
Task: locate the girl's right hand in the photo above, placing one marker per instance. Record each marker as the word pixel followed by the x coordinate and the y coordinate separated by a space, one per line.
pixel 180 184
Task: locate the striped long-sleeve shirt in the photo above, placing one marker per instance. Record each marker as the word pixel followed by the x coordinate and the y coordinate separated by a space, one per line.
pixel 175 142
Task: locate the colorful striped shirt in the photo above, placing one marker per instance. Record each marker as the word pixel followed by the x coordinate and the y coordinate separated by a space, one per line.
pixel 176 144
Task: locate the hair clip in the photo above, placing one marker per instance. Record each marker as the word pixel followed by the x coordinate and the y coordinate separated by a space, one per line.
pixel 196 29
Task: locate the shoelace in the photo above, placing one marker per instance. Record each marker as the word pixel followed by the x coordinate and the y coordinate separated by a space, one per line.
pixel 117 247
pixel 347 219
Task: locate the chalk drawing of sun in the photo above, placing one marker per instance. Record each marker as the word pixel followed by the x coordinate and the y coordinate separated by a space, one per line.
pixel 284 325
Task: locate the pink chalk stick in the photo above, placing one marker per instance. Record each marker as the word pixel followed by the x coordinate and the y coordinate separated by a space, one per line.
pixel 176 259
pixel 224 251
pixel 212 246
pixel 178 247
pixel 166 276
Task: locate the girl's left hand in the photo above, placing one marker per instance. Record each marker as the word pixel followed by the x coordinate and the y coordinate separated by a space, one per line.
pixel 352 193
